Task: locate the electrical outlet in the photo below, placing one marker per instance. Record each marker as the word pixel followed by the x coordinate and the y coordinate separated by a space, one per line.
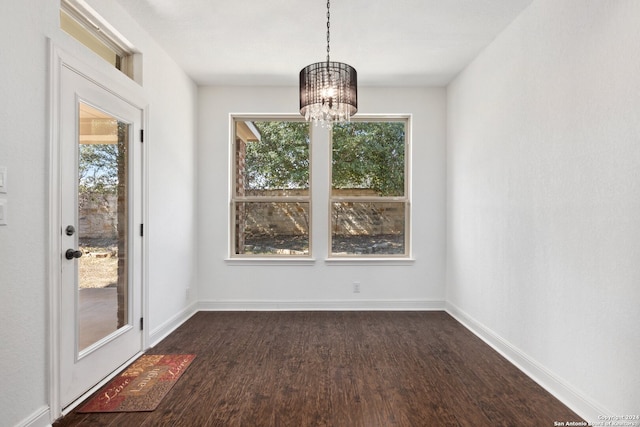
pixel 356 287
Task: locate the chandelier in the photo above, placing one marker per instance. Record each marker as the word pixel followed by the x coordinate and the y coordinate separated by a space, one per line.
pixel 328 90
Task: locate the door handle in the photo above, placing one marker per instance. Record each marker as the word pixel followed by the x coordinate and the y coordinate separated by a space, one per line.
pixel 71 254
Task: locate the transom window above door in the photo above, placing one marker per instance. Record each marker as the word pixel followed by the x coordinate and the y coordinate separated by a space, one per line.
pixel 84 24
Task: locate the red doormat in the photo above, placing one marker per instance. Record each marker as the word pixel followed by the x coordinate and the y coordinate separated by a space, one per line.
pixel 141 386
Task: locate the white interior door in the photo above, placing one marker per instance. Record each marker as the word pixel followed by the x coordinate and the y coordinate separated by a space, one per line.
pixel 101 216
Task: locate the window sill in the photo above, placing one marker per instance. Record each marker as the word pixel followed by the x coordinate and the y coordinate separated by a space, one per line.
pixel 369 261
pixel 311 261
pixel 270 261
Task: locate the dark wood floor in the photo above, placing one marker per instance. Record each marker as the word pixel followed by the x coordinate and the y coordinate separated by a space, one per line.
pixel 339 369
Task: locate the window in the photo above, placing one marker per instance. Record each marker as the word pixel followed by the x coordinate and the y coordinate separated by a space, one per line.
pixel 81 22
pixel 369 213
pixel 271 200
pixel 367 185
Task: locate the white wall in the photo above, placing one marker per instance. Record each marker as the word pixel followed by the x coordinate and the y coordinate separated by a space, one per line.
pixel 543 189
pixel 23 150
pixel 321 285
pixel 171 148
pixel 23 277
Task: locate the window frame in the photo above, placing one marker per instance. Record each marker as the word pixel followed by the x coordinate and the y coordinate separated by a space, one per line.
pixel 85 25
pixel 405 199
pixel 234 198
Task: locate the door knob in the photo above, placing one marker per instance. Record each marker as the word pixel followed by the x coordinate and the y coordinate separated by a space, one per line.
pixel 71 254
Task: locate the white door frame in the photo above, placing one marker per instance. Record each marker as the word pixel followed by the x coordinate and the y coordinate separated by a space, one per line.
pixel 121 86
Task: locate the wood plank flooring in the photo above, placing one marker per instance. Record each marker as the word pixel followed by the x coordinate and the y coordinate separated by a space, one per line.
pixel 339 369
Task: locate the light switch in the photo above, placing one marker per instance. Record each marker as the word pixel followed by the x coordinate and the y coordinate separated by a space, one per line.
pixel 3 212
pixel 3 180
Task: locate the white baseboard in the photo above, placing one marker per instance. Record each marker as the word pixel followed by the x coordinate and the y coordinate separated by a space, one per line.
pixel 40 418
pixel 337 305
pixel 170 325
pixel 534 370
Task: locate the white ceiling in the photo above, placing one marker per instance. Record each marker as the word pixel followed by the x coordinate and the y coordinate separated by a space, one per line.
pixel 267 42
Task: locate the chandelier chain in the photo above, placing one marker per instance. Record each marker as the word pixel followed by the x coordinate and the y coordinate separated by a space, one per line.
pixel 328 28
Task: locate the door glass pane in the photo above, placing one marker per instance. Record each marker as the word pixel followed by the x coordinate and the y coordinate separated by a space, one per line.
pixel 102 225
